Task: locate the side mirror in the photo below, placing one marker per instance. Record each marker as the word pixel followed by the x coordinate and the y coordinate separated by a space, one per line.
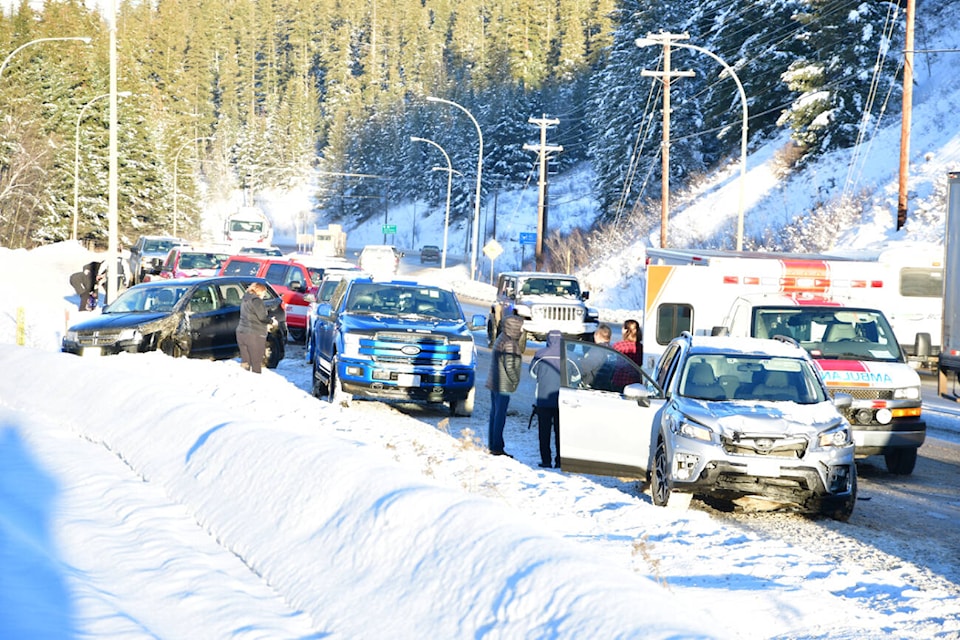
pixel 584 295
pixel 637 392
pixel 843 400
pixel 478 321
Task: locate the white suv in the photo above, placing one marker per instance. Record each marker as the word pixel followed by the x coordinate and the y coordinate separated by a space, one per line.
pixel 380 259
pixel 721 417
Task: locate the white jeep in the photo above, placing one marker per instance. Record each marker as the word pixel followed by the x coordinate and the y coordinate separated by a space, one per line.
pixel 545 301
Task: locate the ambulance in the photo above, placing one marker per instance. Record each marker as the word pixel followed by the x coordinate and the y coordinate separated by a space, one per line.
pixel 816 303
pixel 905 281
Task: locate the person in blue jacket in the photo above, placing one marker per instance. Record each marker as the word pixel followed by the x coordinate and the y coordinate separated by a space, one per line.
pixel 545 369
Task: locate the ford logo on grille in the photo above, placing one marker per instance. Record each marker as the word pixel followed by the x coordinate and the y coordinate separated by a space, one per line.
pixel 410 350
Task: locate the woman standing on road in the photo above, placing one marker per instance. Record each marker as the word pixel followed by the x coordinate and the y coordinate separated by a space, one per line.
pixel 253 327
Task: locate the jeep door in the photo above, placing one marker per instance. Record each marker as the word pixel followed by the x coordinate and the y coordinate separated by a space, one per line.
pixel 606 430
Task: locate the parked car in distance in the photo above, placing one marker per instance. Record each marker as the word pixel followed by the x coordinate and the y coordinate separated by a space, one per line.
pixel 288 277
pixel 723 418
pixel 381 260
pixel 188 262
pixel 429 253
pixel 193 317
pixel 148 254
pixel 260 250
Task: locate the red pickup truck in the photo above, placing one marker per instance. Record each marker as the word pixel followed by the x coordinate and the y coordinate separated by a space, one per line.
pixel 290 278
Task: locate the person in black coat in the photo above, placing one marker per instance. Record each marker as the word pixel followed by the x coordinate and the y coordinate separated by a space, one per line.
pixel 253 327
pixel 545 369
pixel 84 282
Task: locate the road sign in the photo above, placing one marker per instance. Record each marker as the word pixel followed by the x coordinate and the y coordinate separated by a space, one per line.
pixel 389 228
pixel 528 238
pixel 492 249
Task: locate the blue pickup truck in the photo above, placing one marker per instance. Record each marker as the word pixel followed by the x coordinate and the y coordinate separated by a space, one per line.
pixel 394 340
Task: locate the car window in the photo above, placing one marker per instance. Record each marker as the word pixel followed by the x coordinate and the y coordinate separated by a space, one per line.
pixel 231 294
pixel 593 366
pixel 241 268
pixel 203 299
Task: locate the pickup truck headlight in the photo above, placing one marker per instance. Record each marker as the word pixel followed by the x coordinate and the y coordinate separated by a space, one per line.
pixel 906 393
pixel 351 345
pixel 467 353
pixel 71 336
pixel 837 436
pixel 692 430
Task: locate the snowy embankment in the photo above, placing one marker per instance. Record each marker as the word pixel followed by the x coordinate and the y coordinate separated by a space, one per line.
pixel 239 483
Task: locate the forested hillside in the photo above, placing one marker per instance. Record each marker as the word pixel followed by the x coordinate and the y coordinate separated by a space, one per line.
pixel 248 95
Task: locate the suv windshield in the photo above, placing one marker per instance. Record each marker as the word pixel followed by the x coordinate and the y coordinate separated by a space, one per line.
pixel 401 300
pixel 825 332
pixel 750 377
pixel 551 287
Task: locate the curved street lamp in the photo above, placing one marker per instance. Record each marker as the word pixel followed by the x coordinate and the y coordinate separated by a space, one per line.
pixel 450 171
pixel 84 39
pixel 651 41
pixel 76 159
pixel 175 161
pixel 476 208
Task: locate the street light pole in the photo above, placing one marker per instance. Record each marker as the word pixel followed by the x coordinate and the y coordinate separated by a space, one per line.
pixel 476 208
pixel 84 39
pixel 651 40
pixel 175 161
pixel 450 172
pixel 76 160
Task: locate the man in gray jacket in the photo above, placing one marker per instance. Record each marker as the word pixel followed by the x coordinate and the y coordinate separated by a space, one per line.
pixel 506 364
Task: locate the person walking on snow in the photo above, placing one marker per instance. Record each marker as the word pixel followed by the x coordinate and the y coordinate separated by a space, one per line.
pixel 545 369
pixel 506 364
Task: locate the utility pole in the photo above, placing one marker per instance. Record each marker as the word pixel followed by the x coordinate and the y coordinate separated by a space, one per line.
pixel 543 149
pixel 905 116
pixel 666 75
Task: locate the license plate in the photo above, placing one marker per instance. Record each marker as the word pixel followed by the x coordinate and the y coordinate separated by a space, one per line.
pixel 764 468
pixel 408 380
pixel 91 351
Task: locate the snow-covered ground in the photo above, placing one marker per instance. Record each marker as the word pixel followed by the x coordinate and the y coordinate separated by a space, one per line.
pixel 143 496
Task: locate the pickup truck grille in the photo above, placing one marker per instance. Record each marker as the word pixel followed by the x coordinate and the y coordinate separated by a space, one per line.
pixel 558 313
pixel 410 348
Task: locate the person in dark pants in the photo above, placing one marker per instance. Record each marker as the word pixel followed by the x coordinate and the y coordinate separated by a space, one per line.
pixel 84 282
pixel 253 327
pixel 545 369
pixel 506 364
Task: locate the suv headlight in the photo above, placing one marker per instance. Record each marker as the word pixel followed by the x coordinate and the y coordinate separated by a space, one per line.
pixel 692 430
pixel 837 436
pixel 593 315
pixel 906 393
pixel 351 345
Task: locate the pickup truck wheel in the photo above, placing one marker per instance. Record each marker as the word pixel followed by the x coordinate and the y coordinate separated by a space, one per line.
pixel 320 389
pixel 464 406
pixel 297 335
pixel 660 484
pixel 902 461
pixel 337 395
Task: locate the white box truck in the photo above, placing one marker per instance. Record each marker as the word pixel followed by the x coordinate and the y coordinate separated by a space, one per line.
pixel 949 365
